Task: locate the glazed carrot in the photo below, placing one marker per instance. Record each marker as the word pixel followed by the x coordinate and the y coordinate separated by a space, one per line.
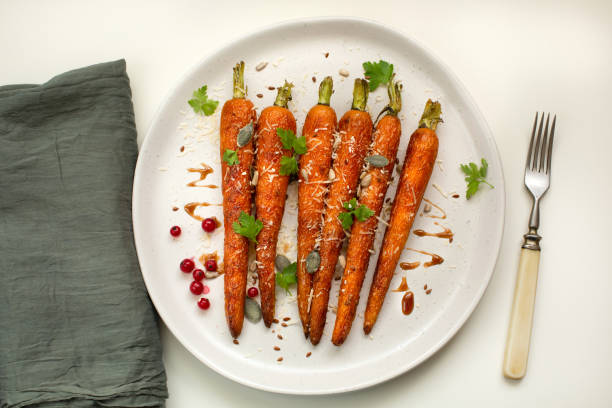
pixel 355 130
pixel 374 184
pixel 236 114
pixel 319 128
pixel 418 165
pixel 270 193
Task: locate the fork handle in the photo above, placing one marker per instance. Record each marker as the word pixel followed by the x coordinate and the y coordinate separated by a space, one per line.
pixel 519 332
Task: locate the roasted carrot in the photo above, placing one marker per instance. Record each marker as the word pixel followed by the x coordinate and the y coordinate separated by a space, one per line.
pixel 236 114
pixel 374 184
pixel 270 193
pixel 418 165
pixel 319 128
pixel 355 128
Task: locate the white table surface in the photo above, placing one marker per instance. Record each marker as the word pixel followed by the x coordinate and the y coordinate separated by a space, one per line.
pixel 515 58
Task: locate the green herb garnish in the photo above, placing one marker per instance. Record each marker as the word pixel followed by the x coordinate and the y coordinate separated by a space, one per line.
pixel 290 141
pixel 201 104
pixel 230 157
pixel 475 176
pixel 378 73
pixel 247 226
pixel 361 213
pixel 287 277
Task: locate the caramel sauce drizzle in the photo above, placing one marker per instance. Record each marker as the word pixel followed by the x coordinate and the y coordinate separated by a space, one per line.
pixel 204 172
pixel 403 286
pixel 409 265
pixel 435 259
pixel 442 217
pixel 446 233
pixel 408 303
pixel 191 207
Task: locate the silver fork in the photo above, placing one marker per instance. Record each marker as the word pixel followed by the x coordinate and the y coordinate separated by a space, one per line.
pixel 537 181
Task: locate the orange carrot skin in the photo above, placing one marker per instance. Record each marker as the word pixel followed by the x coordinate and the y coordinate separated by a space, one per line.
pixel 418 166
pixel 386 140
pixel 319 128
pixel 236 180
pixel 270 199
pixel 356 135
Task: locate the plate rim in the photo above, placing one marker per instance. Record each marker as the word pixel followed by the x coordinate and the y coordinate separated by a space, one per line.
pixel 467 98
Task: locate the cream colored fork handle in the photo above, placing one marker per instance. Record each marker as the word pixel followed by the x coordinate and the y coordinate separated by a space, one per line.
pixel 519 332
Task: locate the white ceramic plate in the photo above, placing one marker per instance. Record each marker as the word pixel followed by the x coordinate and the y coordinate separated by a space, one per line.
pixel 295 51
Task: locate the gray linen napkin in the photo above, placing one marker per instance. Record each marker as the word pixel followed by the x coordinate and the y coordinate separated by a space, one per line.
pixel 77 328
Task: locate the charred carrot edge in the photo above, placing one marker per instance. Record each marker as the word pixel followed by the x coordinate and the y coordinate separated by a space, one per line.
pixel 375 182
pixel 418 165
pixel 237 113
pixel 355 130
pixel 270 193
pixel 319 128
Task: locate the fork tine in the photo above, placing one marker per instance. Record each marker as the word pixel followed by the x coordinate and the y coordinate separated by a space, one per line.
pixel 536 151
pixel 535 122
pixel 542 160
pixel 550 144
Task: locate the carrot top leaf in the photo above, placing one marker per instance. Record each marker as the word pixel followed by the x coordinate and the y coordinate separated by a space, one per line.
pixel 378 73
pixel 360 212
pixel 200 102
pixel 475 176
pixel 247 226
pixel 288 166
pixel 287 277
pixel 230 157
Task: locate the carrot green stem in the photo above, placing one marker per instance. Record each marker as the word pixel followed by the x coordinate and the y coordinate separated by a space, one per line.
pixel 239 88
pixel 360 94
pixel 284 95
pixel 325 90
pixel 395 98
pixel 431 115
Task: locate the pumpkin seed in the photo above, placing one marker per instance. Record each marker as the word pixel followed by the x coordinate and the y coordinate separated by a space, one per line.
pixel 252 311
pixel 365 182
pixel 245 135
pixel 342 261
pixel 313 260
pixel 377 160
pixel 281 262
pixel 343 72
pixel 261 66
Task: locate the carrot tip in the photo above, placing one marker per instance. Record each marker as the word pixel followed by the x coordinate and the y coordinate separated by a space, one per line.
pixel 284 95
pixel 431 115
pixel 361 91
pixel 326 89
pixel 239 88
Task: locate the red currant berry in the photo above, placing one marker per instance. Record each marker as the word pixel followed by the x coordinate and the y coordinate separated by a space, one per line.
pixel 198 274
pixel 196 287
pixel 209 225
pixel 175 231
pixel 203 303
pixel 211 265
pixel 252 292
pixel 187 265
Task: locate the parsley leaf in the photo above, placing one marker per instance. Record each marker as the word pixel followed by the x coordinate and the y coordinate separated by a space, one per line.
pixel 247 226
pixel 287 137
pixel 377 73
pixel 361 213
pixel 346 218
pixel 230 157
pixel 201 104
pixel 475 176
pixel 287 277
pixel 299 145
pixel 288 166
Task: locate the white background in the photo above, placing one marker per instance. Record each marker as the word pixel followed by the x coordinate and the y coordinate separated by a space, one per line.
pixel 515 58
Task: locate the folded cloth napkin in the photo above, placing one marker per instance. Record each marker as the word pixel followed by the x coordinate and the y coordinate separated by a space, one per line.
pixel 77 328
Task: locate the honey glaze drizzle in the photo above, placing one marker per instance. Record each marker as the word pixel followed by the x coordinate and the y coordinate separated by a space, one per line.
pixel 446 233
pixel 403 286
pixel 441 217
pixel 435 259
pixel 191 207
pixel 204 172
pixel 408 303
